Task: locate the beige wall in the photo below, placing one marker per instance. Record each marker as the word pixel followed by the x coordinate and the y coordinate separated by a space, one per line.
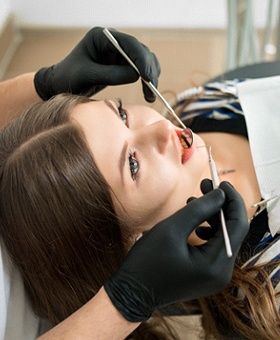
pixel 9 41
pixel 187 56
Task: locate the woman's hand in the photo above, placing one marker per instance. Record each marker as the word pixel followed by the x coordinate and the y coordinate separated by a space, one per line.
pixel 162 268
pixel 95 63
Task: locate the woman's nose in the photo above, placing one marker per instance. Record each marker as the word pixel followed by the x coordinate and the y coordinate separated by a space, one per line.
pixel 158 134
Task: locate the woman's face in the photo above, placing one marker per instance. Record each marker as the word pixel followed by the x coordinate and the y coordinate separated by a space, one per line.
pixel 140 155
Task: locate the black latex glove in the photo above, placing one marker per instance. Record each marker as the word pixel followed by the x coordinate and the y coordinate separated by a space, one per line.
pixel 95 63
pixel 207 232
pixel 161 268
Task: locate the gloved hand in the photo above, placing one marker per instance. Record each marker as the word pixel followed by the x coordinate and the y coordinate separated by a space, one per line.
pixel 161 268
pixel 207 232
pixel 95 63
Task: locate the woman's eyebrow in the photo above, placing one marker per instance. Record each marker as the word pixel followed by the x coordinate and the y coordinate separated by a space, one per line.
pixel 112 107
pixel 122 160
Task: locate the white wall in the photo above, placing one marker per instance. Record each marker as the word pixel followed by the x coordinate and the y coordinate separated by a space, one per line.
pixel 128 13
pixel 122 13
pixel 5 10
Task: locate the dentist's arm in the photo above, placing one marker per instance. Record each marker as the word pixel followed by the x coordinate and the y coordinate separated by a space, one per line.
pixel 97 319
pixel 16 94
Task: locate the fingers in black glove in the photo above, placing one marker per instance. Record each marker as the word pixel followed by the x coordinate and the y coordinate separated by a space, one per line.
pixel 206 185
pixel 209 231
pixel 95 63
pixel 234 210
pixel 205 232
pixel 145 61
pixel 237 226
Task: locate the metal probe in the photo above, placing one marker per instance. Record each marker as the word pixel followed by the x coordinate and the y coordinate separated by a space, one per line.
pixel 148 83
pixel 215 180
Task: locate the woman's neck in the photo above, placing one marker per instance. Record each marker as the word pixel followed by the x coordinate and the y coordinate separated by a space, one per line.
pixel 234 163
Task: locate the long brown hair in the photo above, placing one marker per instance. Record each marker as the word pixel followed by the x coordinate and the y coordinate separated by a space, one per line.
pixel 247 308
pixel 57 217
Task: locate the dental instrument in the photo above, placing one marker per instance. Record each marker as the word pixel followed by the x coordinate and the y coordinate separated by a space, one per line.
pixel 148 83
pixel 215 181
pixel 263 204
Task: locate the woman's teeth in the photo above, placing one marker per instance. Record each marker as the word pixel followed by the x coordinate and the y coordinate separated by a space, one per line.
pixel 183 143
pixel 186 138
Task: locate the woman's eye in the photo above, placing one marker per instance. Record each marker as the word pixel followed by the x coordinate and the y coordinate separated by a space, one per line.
pixel 133 166
pixel 122 112
pixel 123 116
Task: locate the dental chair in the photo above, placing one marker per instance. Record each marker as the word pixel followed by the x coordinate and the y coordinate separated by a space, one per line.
pixel 258 70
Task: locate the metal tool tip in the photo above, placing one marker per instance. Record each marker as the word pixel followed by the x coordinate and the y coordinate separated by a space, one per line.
pixel 210 153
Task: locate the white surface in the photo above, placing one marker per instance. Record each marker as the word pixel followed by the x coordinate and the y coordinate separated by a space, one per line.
pixel 17 320
pixel 5 10
pixel 125 13
pixel 129 13
pixel 260 102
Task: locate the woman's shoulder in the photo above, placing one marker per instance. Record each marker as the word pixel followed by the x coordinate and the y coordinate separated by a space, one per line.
pixel 213 107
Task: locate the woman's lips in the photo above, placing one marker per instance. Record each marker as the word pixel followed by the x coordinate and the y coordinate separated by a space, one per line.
pixel 186 154
pixel 186 140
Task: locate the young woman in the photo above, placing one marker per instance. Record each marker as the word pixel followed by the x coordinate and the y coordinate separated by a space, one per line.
pixel 86 76
pixel 90 179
